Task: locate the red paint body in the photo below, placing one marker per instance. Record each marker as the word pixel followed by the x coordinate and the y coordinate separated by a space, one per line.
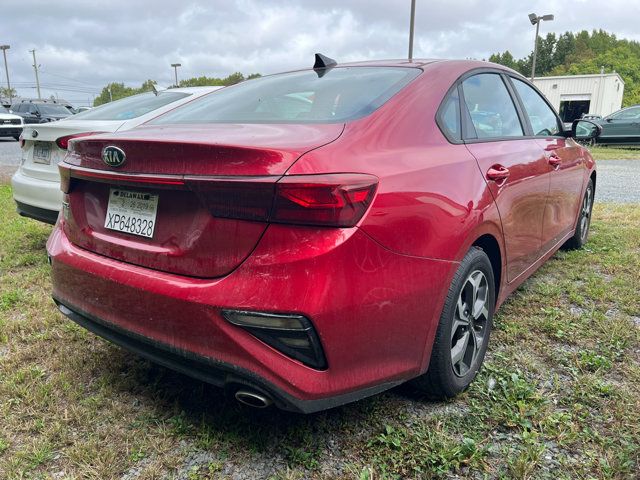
pixel 374 292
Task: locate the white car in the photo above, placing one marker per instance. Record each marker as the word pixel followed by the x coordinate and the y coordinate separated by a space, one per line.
pixel 10 125
pixel 36 184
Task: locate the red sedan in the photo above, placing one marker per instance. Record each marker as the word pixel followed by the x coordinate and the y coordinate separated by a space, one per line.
pixel 314 237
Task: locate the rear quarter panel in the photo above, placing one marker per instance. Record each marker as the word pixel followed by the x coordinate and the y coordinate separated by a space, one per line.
pixel 432 200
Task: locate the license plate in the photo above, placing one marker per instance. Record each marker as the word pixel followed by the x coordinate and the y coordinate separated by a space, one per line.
pixel 42 153
pixel 131 212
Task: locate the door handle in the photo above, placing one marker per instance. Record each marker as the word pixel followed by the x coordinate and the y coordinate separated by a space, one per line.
pixel 498 173
pixel 554 160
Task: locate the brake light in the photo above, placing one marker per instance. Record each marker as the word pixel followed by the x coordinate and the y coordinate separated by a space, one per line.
pixel 246 198
pixel 338 200
pixel 334 200
pixel 63 142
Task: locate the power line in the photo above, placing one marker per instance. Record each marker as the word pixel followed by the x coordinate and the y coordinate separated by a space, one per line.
pixel 66 78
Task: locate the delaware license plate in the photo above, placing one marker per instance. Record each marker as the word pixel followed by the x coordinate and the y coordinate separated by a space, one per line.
pixel 42 153
pixel 131 212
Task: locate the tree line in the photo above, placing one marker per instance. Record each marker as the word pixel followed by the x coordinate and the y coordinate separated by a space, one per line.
pixel 115 90
pixel 583 53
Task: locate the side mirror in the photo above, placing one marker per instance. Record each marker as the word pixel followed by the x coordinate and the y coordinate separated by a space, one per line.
pixel 609 120
pixel 585 130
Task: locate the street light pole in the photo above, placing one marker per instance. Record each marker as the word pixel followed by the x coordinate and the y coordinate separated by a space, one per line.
pixel 411 23
pixel 4 49
pixel 535 20
pixel 175 70
pixel 35 67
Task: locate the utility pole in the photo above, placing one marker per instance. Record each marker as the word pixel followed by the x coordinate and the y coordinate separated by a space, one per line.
pixel 35 67
pixel 175 70
pixel 4 49
pixel 411 22
pixel 535 20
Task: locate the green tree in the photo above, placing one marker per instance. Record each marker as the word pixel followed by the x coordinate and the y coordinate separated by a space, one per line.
pixel 114 91
pixel 6 93
pixel 583 53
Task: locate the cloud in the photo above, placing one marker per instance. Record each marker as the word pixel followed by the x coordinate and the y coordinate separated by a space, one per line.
pixel 82 46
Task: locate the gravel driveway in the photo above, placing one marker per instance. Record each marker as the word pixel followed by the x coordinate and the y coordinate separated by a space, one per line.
pixel 618 180
pixel 9 158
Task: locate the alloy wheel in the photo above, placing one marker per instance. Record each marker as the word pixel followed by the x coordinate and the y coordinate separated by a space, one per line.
pixel 585 213
pixel 469 325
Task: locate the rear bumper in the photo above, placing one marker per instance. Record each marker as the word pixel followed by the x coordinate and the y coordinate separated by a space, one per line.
pixel 209 370
pixel 375 312
pixel 40 214
pixel 36 198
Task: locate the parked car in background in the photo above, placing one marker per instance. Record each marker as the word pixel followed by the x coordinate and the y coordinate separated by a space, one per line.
pixel 10 125
pixel 314 237
pixel 621 127
pixel 36 183
pixel 40 111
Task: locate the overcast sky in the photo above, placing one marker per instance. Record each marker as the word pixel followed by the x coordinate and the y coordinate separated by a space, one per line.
pixel 83 45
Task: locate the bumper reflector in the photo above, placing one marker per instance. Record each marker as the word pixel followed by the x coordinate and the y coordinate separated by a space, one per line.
pixel 292 335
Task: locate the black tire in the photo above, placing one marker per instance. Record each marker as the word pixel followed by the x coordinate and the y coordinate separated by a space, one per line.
pixel 584 220
pixel 444 377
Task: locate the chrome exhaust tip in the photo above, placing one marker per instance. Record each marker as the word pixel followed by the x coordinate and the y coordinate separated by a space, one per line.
pixel 253 399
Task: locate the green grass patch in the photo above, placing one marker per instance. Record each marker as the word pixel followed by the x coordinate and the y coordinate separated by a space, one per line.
pixel 615 153
pixel 558 397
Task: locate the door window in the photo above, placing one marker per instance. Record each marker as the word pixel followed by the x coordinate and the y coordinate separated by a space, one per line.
pixel 542 118
pixel 627 114
pixel 490 107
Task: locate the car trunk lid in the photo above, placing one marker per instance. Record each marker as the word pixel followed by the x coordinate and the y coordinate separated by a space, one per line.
pixel 181 171
pixel 40 153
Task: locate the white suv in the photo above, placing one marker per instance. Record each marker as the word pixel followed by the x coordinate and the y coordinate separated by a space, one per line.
pixel 10 125
pixel 36 184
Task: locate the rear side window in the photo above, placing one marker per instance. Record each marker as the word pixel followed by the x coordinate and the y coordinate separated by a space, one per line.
pixel 490 107
pixel 542 118
pixel 449 116
pixel 131 107
pixel 340 94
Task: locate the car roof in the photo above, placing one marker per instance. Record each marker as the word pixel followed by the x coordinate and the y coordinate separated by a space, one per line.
pixel 424 63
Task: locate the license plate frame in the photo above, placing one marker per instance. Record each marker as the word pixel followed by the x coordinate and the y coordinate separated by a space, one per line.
pixel 42 153
pixel 132 212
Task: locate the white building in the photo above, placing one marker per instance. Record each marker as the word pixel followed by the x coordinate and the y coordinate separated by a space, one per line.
pixel 575 95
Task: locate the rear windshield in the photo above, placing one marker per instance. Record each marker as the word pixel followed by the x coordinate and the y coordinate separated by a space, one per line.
pixel 340 95
pixel 131 107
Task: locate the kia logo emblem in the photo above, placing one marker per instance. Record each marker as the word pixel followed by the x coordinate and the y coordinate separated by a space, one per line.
pixel 113 156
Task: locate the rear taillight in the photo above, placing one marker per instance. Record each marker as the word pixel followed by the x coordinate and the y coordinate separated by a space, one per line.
pixel 334 200
pixel 338 200
pixel 63 142
pixel 243 198
pixel 21 140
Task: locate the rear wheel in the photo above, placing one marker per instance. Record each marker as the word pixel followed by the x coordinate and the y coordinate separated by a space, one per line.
pixel 584 220
pixel 464 329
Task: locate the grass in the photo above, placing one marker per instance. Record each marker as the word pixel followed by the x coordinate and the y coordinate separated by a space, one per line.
pixel 558 397
pixel 615 153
